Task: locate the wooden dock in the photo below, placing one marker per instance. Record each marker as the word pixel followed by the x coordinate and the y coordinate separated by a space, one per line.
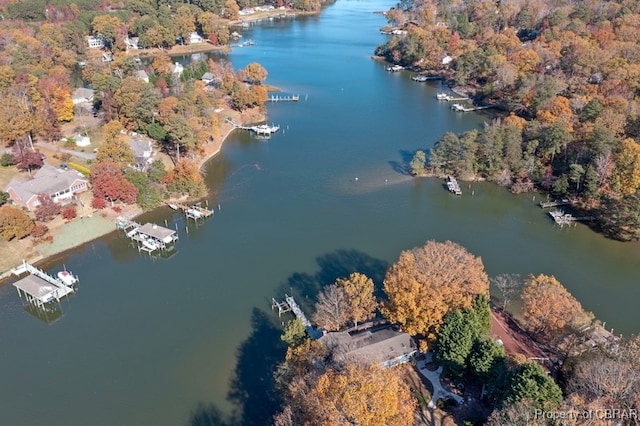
pixel 40 288
pixel 195 211
pixel 561 218
pixel 289 305
pixel 450 98
pixel 548 204
pixel 453 186
pixel 148 237
pixel 283 98
pixel 462 108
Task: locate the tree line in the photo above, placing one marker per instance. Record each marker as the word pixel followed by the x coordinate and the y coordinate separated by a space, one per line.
pixel 567 76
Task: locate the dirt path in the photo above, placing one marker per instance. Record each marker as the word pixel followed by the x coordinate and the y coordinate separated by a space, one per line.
pixel 514 340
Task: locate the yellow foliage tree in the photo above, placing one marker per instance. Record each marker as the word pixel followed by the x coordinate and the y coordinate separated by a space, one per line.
pixel 114 147
pixel 428 282
pixel 14 223
pixel 626 176
pixel 358 289
pixel 549 309
pixel 63 104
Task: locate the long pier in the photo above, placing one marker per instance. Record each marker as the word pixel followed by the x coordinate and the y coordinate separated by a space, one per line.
pixel 289 305
pixel 450 98
pixel 462 108
pixel 278 98
pixel 561 218
pixel 547 204
pixel 260 130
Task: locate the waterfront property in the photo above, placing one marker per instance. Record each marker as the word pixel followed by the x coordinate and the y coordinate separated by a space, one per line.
pixel 60 185
pixel 261 130
pixel 289 305
pixel 385 346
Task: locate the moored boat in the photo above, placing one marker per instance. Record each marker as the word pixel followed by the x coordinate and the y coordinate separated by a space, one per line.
pixel 67 278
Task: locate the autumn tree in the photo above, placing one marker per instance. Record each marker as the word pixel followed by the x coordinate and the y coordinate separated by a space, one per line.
pixel 255 73
pixel 332 308
pixel 366 396
pixel 114 147
pixel 428 282
pixel 509 285
pixel 626 177
pixel 26 158
pixel 358 292
pixel 47 208
pixel 14 223
pixel 109 183
pixel 185 178
pixel 549 309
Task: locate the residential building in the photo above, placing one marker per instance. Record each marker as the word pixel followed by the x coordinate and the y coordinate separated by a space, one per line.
pixel 195 38
pixel 142 151
pixel 95 42
pixel 60 185
pixel 384 345
pixel 208 77
pixel 142 75
pixel 82 95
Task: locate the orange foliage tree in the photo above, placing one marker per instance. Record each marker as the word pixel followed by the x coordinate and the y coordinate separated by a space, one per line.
pixel 14 223
pixel 358 289
pixel 549 309
pixel 428 282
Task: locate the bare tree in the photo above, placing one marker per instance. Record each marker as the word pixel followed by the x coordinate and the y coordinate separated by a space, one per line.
pixel 509 285
pixel 332 309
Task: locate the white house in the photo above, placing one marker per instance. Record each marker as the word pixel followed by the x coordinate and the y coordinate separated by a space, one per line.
pixel 178 68
pixel 131 42
pixel 447 60
pixel 82 95
pixel 60 185
pixel 82 140
pixel 95 42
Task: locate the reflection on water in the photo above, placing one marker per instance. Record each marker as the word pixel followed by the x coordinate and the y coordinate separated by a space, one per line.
pixel 48 314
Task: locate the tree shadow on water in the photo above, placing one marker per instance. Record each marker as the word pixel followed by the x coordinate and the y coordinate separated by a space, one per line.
pixel 252 388
pixel 210 415
pixel 402 166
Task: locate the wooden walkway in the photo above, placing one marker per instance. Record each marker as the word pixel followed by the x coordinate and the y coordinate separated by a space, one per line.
pixel 195 211
pixel 289 305
pixel 547 204
pixel 284 98
pixel 462 108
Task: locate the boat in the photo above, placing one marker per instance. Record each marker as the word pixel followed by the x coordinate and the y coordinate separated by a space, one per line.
pixel 394 68
pixel 67 278
pixel 132 233
pixel 442 96
pixel 173 206
pixel 458 107
pixel 150 244
pixel 194 213
pixel 420 78
pixel 264 129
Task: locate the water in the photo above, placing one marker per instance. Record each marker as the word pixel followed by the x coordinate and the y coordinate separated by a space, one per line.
pixel 191 339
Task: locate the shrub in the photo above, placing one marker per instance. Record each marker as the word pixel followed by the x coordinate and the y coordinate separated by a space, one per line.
pixel 7 160
pixel 39 230
pixel 47 209
pixel 82 169
pixel 99 203
pixel 117 209
pixel 69 213
pixel 70 143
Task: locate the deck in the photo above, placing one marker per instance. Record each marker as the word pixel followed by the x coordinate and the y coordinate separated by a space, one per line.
pixel 289 305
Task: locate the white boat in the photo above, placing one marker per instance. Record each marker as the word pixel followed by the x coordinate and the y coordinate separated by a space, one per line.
pixel 265 129
pixel 132 233
pixel 173 206
pixel 67 278
pixel 194 213
pixel 395 68
pixel 442 96
pixel 150 244
pixel 420 78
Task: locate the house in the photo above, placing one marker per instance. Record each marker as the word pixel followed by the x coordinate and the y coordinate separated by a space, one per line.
pixel 131 42
pixel 178 68
pixel 195 38
pixel 82 95
pixel 142 75
pixel 384 345
pixel 446 60
pixel 82 140
pixel 60 185
pixel 208 77
pixel 95 42
pixel 142 151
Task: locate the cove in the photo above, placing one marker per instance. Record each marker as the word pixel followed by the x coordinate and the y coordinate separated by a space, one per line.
pixel 191 338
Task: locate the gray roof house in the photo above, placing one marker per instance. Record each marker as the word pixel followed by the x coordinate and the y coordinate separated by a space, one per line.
pixel 60 185
pixel 142 151
pixel 385 346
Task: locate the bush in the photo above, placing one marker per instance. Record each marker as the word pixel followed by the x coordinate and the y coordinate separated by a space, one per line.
pixel 99 203
pixel 47 209
pixel 70 143
pixel 82 169
pixel 69 213
pixel 7 160
pixel 39 230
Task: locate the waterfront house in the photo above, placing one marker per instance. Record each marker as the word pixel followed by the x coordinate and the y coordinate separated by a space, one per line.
pixel 60 185
pixel 208 77
pixel 142 151
pixel 385 346
pixel 195 38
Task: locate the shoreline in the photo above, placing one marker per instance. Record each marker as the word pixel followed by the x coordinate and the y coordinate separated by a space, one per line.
pixel 103 225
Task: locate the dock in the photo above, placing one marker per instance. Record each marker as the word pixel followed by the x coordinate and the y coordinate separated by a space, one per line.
pixel 449 98
pixel 283 98
pixel 394 68
pixel 40 288
pixel 195 211
pixel 453 186
pixel 548 204
pixel 263 130
pixel 148 237
pixel 462 108
pixel 289 305
pixel 421 78
pixel 561 218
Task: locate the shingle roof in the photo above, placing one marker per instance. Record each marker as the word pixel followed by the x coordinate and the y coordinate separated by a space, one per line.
pixel 47 180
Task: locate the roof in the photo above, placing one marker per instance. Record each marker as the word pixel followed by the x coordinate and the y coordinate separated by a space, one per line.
pixel 140 147
pixel 156 231
pixel 375 346
pixel 142 74
pixel 36 287
pixel 47 180
pixel 83 93
pixel 208 76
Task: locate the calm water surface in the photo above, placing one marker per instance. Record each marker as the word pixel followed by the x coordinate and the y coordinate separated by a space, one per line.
pixel 191 339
